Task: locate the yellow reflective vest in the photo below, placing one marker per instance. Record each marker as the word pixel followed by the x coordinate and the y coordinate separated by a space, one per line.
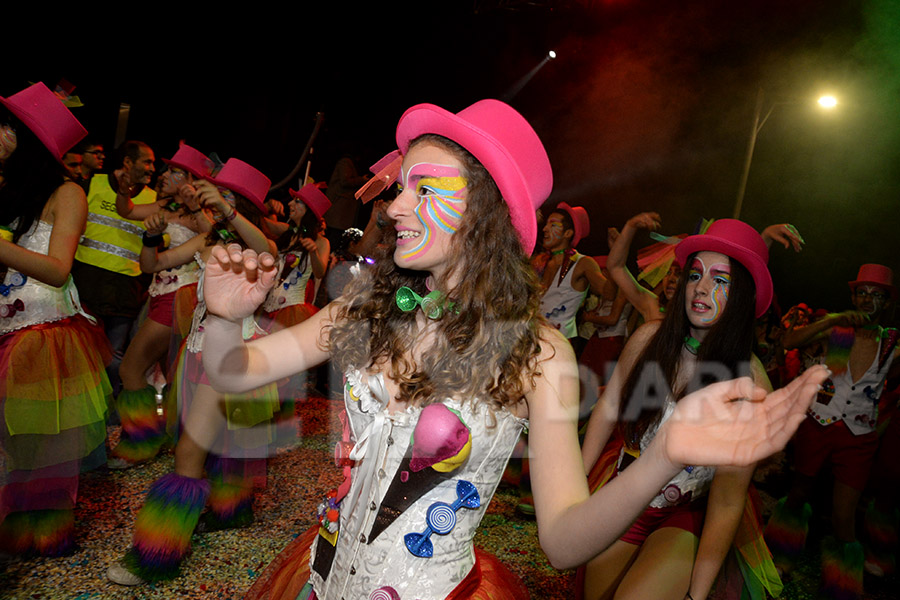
pixel 111 242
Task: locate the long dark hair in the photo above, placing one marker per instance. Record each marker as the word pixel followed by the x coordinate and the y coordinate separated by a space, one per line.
pixel 725 353
pixel 31 174
pixel 486 346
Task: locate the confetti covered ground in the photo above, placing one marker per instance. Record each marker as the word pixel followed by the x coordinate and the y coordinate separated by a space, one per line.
pixel 224 564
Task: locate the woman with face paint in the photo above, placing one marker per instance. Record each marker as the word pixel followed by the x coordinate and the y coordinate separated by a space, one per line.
pixel 53 386
pixel 173 297
pixel 222 440
pixel 446 359
pixel 706 336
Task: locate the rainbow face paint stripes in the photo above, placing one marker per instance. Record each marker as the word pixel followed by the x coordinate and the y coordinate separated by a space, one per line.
pixel 721 275
pixel 441 191
pixel 718 276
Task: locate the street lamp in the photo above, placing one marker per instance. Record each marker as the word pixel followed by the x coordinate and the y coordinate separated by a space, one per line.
pixel 827 102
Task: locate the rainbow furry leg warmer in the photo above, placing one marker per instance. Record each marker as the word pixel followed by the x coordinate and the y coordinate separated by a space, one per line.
pixel 230 496
pixel 785 534
pixel 842 569
pixel 54 531
pixel 143 429
pixel 881 537
pixel 16 533
pixel 44 532
pixel 164 525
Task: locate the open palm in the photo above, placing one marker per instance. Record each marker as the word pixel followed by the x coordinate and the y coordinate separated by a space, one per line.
pixel 237 281
pixel 736 423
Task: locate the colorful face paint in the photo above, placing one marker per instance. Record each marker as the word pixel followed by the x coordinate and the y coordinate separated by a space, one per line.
pixel 870 299
pixel 707 309
pixel 553 232
pixel 8 141
pixel 441 191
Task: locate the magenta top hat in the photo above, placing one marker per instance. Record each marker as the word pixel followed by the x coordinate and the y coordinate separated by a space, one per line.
pixel 580 221
pixel 193 161
pixel 503 141
pixel 313 198
pixel 872 274
pixel 241 178
pixel 735 239
pixel 47 117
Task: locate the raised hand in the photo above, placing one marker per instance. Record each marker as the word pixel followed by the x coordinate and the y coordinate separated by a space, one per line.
pixel 736 423
pixel 785 234
pixel 237 281
pixel 647 220
pixel 123 179
pixel 209 197
pixel 309 245
pixel 187 195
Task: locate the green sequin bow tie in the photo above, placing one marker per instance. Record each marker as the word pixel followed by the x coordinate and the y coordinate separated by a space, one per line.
pixel 692 344
pixel 433 305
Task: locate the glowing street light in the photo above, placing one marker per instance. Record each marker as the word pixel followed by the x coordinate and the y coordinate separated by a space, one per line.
pixel 827 102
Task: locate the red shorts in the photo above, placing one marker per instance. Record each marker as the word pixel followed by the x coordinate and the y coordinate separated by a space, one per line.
pixel 850 455
pixel 688 516
pixel 161 308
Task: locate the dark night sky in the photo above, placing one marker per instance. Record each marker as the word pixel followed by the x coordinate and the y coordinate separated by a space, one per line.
pixel 648 107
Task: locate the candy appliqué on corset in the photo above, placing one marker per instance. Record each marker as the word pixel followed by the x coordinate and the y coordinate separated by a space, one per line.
pixel 441 519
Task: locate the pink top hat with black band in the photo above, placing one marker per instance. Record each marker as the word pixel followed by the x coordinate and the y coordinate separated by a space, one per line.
pixel 580 221
pixel 47 117
pixel 503 141
pixel 739 241
pixel 193 161
pixel 872 274
pixel 243 179
pixel 313 198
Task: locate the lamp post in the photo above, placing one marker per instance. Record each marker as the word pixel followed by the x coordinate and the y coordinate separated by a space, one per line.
pixel 827 102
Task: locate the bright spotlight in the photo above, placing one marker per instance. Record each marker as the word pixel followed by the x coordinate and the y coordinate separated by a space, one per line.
pixel 828 102
pixel 551 54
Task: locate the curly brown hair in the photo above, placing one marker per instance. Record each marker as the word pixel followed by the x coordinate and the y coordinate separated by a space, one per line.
pixel 487 345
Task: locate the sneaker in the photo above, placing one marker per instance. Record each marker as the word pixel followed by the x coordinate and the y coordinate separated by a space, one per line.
pixel 873 569
pixel 119 574
pixel 117 463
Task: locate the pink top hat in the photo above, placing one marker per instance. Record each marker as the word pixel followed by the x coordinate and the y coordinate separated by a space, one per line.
pixel 47 117
pixel 241 178
pixel 193 161
pixel 580 221
pixel 741 242
pixel 872 274
pixel 503 141
pixel 313 198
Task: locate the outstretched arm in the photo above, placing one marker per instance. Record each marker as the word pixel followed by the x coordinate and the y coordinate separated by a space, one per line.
pixel 235 284
pixel 575 527
pixel 801 336
pixel 645 301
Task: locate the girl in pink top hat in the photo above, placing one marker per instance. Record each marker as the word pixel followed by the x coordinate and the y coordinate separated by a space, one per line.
pixel 53 386
pixel 173 296
pixel 221 439
pixel 446 359
pixel 304 252
pixel 707 334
